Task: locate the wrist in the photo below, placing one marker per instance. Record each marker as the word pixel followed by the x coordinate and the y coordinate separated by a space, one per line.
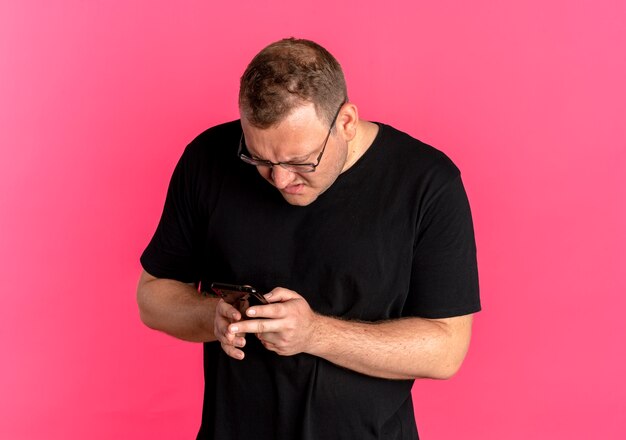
pixel 322 334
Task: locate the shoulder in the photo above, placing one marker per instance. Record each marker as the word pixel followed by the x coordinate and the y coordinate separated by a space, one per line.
pixel 226 130
pixel 219 139
pixel 215 147
pixel 208 158
pixel 411 158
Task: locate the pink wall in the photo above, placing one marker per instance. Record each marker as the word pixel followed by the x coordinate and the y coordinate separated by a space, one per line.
pixel 99 98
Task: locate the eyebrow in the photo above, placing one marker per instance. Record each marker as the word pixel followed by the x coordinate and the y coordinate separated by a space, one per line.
pixel 297 159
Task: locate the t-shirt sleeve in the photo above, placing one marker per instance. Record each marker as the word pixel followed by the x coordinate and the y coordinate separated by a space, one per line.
pixel 173 251
pixel 444 278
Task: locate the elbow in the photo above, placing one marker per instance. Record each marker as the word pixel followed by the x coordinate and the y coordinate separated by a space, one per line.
pixel 143 299
pixel 147 321
pixel 446 372
pixel 439 369
pixel 450 352
pixel 447 364
pixel 144 309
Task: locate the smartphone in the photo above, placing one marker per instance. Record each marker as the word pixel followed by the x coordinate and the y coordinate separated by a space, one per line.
pixel 239 296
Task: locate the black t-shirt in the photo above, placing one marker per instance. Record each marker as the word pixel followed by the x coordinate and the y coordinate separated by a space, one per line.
pixel 391 238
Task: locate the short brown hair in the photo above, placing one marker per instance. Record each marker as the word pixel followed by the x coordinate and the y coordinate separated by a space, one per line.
pixel 287 74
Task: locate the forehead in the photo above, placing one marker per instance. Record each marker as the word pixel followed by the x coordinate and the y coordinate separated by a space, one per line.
pixel 298 134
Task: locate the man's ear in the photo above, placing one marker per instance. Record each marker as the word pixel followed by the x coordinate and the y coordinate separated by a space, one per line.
pixel 347 121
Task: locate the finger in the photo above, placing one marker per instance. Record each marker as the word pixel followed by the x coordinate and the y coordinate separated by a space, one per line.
pixel 233 352
pixel 234 340
pixel 267 338
pixel 228 311
pixel 263 337
pixel 273 311
pixel 239 341
pixel 226 336
pixel 255 326
pixel 280 294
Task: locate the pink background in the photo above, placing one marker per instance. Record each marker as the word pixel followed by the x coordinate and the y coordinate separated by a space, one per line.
pixel 98 99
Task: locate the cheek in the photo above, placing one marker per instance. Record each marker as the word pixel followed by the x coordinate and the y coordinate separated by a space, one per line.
pixel 317 181
pixel 334 166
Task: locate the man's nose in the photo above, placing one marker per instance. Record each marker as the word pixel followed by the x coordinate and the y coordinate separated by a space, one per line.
pixel 281 177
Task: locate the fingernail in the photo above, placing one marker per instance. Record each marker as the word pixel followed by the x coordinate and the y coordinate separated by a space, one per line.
pixel 251 312
pixel 234 329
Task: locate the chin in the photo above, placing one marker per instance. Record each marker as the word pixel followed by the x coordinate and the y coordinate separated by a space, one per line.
pixel 299 199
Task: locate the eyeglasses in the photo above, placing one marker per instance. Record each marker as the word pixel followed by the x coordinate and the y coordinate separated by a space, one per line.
pixel 289 166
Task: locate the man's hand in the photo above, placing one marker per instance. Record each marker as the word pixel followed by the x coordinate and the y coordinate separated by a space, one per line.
pixel 226 315
pixel 176 308
pixel 405 348
pixel 287 326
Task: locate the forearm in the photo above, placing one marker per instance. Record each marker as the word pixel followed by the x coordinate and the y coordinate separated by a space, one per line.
pixel 400 349
pixel 176 308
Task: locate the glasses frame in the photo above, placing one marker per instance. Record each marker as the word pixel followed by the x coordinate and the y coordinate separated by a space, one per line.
pixel 289 166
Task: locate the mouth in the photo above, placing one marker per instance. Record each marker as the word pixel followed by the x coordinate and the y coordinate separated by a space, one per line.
pixel 293 189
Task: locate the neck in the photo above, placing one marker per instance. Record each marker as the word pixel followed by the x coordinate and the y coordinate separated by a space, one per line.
pixel 365 134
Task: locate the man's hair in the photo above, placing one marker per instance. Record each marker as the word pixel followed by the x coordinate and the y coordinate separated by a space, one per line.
pixel 288 74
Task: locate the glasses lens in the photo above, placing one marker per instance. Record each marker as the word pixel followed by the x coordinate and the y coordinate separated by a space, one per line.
pixel 254 162
pixel 294 168
pixel 298 168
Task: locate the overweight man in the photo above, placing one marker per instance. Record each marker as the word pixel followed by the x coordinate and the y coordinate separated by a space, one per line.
pixel 360 237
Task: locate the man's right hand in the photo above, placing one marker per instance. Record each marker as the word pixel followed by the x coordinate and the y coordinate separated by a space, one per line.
pixel 176 308
pixel 226 314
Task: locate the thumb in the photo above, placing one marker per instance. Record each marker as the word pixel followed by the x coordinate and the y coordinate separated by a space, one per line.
pixel 280 294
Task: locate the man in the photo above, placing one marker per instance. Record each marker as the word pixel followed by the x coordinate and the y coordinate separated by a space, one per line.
pixel 360 235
